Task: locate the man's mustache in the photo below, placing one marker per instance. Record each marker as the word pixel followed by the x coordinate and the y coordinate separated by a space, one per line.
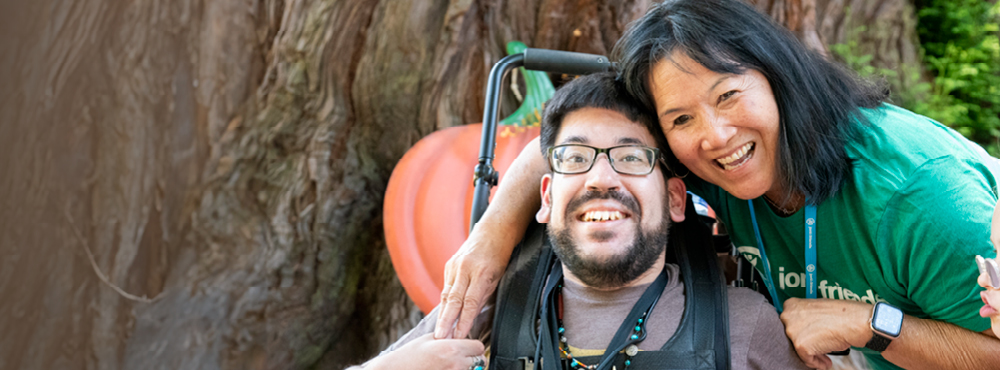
pixel 626 200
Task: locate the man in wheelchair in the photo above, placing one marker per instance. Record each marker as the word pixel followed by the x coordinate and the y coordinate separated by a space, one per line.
pixel 602 291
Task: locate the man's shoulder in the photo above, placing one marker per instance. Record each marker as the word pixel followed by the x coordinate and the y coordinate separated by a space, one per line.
pixel 745 301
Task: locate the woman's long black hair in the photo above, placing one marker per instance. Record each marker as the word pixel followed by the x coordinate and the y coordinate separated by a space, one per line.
pixel 818 100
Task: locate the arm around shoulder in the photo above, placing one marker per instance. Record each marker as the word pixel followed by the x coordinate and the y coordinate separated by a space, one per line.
pixel 472 274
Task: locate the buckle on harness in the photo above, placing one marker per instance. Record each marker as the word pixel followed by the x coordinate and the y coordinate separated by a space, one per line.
pixel 527 363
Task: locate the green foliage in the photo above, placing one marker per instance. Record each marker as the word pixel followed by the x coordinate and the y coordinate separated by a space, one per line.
pixel 959 40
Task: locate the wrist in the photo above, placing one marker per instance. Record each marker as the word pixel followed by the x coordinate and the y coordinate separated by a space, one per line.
pixel 886 325
pixel 862 332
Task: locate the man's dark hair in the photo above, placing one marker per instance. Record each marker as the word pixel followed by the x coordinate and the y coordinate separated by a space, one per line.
pixel 818 101
pixel 599 90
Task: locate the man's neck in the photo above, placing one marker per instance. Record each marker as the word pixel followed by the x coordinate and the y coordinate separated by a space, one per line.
pixel 646 278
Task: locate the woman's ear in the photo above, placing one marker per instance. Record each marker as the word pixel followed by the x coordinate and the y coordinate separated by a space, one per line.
pixel 545 211
pixel 677 193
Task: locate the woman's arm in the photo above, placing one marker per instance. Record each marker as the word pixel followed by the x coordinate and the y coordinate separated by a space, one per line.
pixel 472 274
pixel 819 326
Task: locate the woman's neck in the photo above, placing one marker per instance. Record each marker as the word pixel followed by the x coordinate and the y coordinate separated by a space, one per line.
pixel 784 203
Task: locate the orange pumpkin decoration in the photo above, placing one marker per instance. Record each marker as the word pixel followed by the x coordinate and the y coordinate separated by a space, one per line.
pixel 428 200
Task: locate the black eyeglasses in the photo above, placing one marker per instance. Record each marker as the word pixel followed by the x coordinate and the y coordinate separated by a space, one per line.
pixel 569 159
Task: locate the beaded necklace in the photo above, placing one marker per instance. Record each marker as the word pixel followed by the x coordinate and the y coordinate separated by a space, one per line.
pixel 638 334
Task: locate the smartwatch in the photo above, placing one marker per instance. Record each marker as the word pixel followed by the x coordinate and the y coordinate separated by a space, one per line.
pixel 886 323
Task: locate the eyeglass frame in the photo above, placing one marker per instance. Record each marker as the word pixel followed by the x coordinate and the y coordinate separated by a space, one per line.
pixel 657 157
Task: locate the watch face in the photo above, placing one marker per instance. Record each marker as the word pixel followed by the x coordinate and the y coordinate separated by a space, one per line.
pixel 887 319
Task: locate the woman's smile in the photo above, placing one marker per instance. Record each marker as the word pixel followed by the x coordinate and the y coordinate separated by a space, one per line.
pixel 738 158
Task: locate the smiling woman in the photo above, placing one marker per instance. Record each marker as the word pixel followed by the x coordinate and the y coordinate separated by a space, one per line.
pixel 722 127
pixel 813 175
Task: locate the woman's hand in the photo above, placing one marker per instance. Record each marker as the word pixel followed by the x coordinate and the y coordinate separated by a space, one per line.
pixel 425 352
pixel 817 327
pixel 470 277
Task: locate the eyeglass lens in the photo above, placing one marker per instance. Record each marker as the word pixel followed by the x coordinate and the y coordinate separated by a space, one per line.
pixel 629 160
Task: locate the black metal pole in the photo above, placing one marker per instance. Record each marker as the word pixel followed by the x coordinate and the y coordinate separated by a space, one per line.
pixel 485 176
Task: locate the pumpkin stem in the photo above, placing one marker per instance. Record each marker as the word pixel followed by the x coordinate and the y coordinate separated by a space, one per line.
pixel 540 90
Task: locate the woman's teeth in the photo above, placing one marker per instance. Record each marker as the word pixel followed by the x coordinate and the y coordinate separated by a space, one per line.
pixel 599 216
pixel 737 159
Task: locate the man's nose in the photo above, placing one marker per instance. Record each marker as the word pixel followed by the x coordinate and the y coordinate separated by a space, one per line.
pixel 602 177
pixel 716 132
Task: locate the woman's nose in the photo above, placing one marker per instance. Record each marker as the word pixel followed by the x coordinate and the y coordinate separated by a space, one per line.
pixel 716 133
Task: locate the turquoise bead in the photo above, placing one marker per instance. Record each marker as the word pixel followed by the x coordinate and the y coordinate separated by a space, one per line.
pixel 634 337
pixel 627 362
pixel 479 368
pixel 638 328
pixel 640 321
pixel 562 330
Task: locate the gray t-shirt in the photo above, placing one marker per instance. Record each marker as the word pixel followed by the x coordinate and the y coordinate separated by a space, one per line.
pixel 591 317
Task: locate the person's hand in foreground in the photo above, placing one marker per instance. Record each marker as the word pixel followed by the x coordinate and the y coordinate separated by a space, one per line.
pixel 425 352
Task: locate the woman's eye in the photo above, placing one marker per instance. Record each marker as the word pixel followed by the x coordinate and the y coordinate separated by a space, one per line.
pixel 725 96
pixel 681 120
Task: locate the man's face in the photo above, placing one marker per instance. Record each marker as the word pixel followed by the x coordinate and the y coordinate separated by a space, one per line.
pixel 608 228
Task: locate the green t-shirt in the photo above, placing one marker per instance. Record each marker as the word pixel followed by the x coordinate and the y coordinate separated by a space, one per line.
pixel 904 229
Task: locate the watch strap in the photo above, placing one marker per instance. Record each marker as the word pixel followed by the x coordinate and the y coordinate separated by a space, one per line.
pixel 878 343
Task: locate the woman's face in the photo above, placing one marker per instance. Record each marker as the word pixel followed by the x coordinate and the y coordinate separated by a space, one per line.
pixel 723 127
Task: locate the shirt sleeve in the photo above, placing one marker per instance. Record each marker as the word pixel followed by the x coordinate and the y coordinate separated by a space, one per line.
pixel 931 231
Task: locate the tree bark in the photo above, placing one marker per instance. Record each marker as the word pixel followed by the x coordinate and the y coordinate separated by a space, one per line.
pixel 198 184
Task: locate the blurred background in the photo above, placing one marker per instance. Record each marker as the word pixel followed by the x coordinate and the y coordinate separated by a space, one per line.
pixel 190 184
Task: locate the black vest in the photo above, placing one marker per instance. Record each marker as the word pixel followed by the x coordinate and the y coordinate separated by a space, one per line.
pixel 701 340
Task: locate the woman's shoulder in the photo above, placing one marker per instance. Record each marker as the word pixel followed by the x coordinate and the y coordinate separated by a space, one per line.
pixel 898 144
pixel 896 133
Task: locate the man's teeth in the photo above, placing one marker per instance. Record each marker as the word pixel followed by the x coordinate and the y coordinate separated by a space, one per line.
pixel 597 216
pixel 729 162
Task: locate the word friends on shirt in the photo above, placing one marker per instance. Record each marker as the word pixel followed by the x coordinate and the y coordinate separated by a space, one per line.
pixel 826 289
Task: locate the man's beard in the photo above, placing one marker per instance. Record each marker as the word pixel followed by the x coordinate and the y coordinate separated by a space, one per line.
pixel 616 270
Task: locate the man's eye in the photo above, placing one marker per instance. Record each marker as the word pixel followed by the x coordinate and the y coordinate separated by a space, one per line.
pixel 576 158
pixel 681 120
pixel 631 158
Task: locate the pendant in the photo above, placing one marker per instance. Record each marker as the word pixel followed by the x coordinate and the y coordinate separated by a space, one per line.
pixel 631 350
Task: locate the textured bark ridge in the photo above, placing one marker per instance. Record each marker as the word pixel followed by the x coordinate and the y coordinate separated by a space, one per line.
pixel 884 30
pixel 198 184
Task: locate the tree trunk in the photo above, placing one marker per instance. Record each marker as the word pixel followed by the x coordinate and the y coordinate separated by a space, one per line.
pixel 198 184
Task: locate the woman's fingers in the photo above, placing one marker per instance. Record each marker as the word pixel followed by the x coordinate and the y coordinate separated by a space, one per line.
pixel 452 298
pixel 476 294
